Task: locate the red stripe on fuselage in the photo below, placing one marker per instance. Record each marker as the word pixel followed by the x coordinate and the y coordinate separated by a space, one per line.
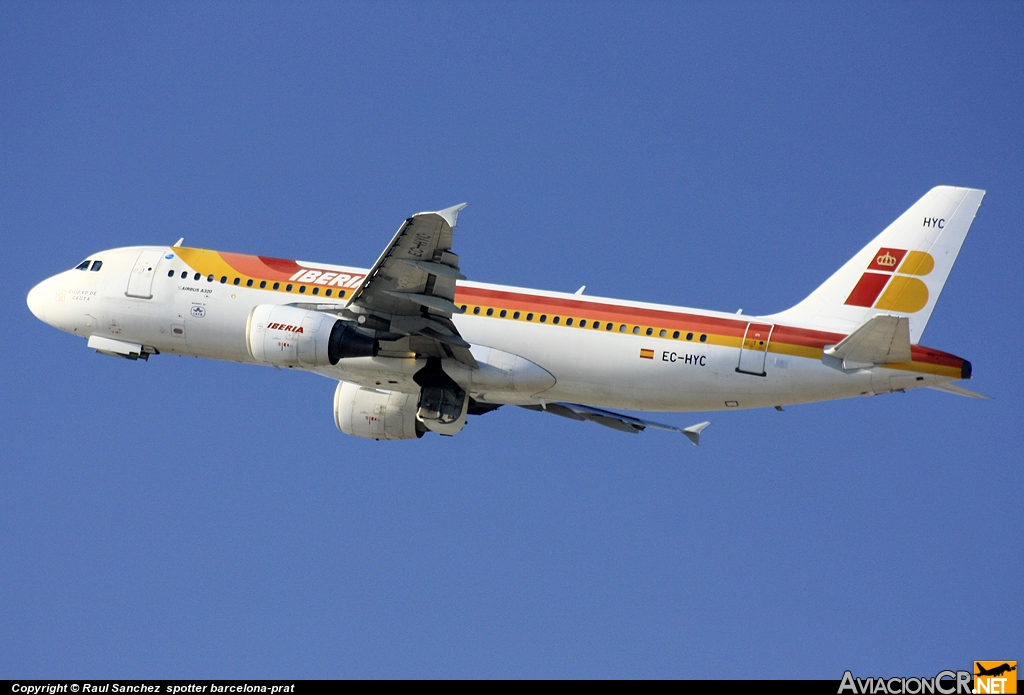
pixel 600 311
pixel 791 335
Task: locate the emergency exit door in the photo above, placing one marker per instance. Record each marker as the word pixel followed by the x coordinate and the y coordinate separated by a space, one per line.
pixel 754 348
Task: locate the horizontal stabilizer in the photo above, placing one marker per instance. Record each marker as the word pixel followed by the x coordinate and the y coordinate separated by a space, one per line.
pixel 693 431
pixel 616 421
pixel 958 390
pixel 883 339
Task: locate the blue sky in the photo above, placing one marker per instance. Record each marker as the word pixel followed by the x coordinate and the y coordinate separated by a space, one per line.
pixel 186 518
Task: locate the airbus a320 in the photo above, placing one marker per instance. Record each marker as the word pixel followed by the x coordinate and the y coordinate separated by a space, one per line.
pixel 416 347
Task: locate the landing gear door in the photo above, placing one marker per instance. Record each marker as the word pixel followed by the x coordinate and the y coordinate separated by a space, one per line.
pixel 140 280
pixel 754 348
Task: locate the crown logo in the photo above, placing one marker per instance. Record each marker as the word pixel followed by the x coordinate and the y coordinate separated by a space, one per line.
pixel 887 259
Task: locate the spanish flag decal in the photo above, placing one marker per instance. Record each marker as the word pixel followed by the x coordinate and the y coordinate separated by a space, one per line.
pixel 646 354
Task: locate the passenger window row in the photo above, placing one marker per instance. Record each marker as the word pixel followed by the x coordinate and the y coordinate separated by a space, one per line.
pixel 91 265
pixel 593 324
pixel 251 282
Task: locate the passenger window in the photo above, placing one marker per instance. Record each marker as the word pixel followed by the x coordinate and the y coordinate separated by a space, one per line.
pixel 316 290
pixel 238 280
pixel 675 336
pixel 650 331
pixel 583 323
pixel 689 336
pixel 277 285
pixel 170 273
pixel 515 315
pixel 703 338
pixel 197 276
pixel 503 313
pixel 662 333
pixel 184 275
pixel 288 288
pixel 543 318
pixel 476 310
pixel 529 317
pixel 568 322
pixel 622 328
pixel 223 279
pixel 609 327
pixel 84 265
pixel 248 283
pixel 556 319
pixel 329 292
pixel 490 312
pixel 209 278
pixel 463 307
pixel 96 265
pixel 341 294
pixel 302 289
pixel 263 283
pixel 636 329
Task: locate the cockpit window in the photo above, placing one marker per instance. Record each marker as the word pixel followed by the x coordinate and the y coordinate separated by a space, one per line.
pixel 96 265
pixel 84 265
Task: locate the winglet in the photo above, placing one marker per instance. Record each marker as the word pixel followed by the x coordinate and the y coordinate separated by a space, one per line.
pixel 451 215
pixel 693 432
pixel 178 242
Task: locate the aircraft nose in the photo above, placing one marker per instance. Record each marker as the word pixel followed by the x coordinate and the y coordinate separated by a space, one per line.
pixel 37 300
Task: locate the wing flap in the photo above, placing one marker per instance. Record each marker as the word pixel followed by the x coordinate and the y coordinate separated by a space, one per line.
pixel 428 300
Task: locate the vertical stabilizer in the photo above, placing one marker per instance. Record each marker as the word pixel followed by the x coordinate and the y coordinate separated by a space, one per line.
pixel 900 273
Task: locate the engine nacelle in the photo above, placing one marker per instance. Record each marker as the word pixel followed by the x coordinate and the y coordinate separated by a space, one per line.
pixel 286 336
pixel 376 414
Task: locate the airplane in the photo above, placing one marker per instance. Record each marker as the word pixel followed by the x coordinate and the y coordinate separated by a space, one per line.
pixel 416 347
pixel 995 670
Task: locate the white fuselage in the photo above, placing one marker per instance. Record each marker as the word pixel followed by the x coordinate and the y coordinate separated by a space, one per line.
pixel 615 364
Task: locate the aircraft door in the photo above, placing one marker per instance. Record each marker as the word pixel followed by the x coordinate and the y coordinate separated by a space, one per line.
pixel 754 348
pixel 140 280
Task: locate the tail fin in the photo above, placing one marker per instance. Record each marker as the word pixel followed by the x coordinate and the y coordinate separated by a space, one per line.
pixel 901 272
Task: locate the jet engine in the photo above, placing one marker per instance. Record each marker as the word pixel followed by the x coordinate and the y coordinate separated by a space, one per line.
pixel 376 414
pixel 286 336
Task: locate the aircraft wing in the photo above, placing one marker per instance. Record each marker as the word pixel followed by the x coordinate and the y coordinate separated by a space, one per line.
pixel 408 297
pixel 616 421
pixel 958 390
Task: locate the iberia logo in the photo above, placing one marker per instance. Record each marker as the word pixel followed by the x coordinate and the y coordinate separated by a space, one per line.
pixel 995 677
pixel 284 327
pixel 894 271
